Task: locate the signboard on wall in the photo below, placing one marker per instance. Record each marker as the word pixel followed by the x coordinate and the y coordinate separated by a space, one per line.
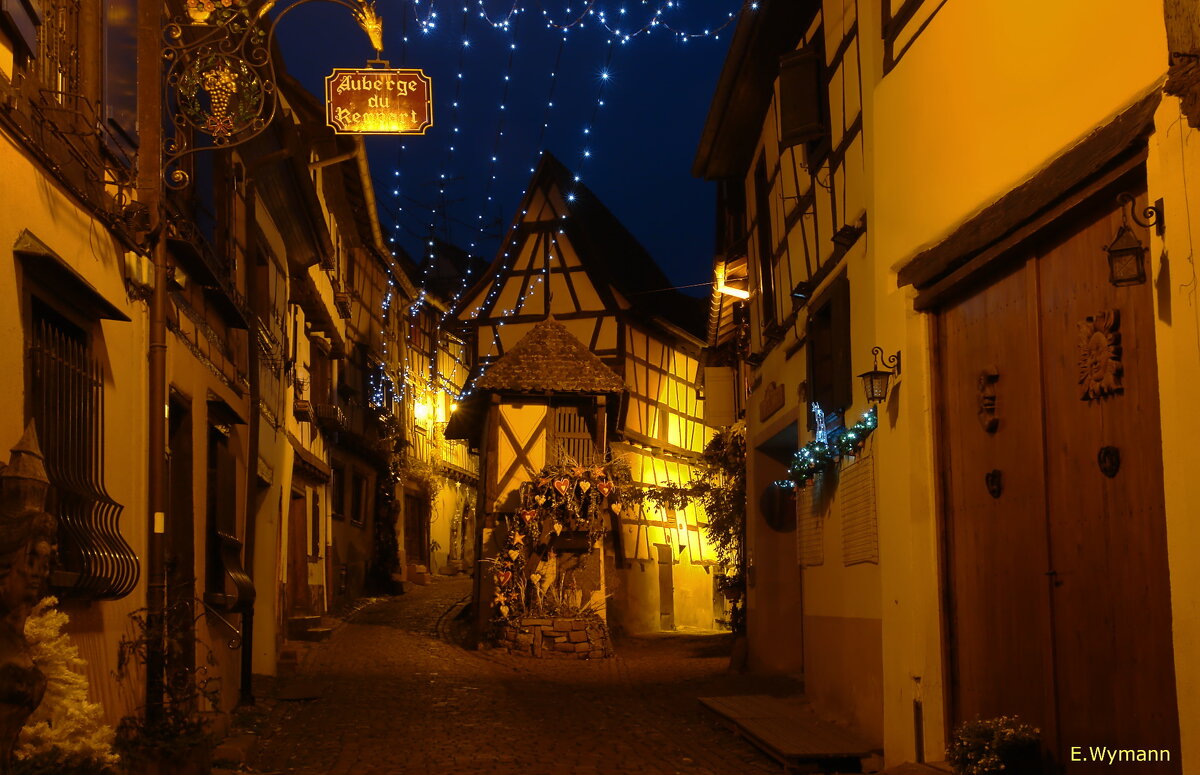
pixel 373 101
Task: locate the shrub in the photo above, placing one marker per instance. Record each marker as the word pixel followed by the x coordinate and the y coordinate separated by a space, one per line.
pixel 66 734
pixel 998 745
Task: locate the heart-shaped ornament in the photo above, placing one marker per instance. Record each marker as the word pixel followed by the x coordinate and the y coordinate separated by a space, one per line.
pixel 585 485
pixel 504 610
pixel 503 577
pixel 616 508
pixel 540 499
pixel 563 485
pixel 513 553
pixel 557 528
pixel 528 514
pixel 605 487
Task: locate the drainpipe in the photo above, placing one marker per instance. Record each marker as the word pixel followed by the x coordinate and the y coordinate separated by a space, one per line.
pixel 246 692
pixel 150 193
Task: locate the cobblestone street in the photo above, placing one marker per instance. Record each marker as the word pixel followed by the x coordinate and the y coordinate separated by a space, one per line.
pixel 396 696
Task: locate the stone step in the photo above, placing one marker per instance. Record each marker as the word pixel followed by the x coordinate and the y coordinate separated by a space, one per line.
pixel 298 625
pixel 315 634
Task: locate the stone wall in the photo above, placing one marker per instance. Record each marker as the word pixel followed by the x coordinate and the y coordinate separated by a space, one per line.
pixel 567 637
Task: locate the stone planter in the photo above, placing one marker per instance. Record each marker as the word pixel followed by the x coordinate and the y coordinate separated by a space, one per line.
pixel 558 637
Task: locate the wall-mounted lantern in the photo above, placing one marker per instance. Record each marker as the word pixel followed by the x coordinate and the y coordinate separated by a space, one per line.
pixel 1126 253
pixel 875 381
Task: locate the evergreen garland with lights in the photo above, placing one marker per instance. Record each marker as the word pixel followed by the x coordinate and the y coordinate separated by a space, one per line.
pixel 817 456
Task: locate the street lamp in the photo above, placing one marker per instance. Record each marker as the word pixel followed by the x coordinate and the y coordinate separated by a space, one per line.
pixel 875 381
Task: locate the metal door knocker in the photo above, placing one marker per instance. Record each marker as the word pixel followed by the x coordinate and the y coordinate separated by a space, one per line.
pixel 994 481
pixel 1109 459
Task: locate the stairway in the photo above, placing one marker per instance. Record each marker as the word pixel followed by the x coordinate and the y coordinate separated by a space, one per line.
pixel 307 628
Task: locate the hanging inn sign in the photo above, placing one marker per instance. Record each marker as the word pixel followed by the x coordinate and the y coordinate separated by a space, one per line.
pixel 378 102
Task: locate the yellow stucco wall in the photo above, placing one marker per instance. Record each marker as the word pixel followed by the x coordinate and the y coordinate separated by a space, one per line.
pixel 29 200
pixel 1171 171
pixel 988 93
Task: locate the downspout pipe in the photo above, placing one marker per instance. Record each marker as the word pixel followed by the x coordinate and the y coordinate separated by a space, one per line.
pixel 246 691
pixel 150 192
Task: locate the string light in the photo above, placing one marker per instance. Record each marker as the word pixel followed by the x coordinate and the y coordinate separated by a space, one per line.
pixel 616 26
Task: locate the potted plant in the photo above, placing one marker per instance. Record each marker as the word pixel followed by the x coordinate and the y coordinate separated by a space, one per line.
pixel 176 738
pixel 992 746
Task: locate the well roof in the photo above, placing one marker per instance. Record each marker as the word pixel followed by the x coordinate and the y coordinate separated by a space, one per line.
pixel 550 359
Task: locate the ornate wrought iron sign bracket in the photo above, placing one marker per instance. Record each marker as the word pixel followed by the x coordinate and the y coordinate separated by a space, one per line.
pixel 220 76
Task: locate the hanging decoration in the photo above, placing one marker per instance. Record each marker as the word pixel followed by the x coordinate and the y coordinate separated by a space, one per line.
pixel 378 101
pixel 823 453
pixel 221 82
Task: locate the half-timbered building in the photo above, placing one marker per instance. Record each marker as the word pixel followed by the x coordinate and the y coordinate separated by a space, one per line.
pixel 567 257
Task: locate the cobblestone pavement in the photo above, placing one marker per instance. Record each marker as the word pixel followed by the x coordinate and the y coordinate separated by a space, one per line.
pixel 397 697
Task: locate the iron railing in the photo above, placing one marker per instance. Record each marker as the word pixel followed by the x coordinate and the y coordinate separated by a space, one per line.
pixel 67 390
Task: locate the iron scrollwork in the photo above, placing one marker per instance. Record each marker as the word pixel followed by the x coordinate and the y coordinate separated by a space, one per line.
pixel 220 76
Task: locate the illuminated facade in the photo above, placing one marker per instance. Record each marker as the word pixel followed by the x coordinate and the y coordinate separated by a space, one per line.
pixel 566 256
pixel 294 400
pixel 941 180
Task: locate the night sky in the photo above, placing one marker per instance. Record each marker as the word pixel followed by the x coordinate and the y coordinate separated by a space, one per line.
pixel 641 141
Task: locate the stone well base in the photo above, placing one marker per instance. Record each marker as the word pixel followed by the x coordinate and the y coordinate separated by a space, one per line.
pixel 566 637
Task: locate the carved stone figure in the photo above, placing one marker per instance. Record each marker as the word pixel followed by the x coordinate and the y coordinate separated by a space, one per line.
pixel 27 538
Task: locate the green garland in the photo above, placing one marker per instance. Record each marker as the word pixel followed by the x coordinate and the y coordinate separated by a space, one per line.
pixel 817 457
pixel 562 498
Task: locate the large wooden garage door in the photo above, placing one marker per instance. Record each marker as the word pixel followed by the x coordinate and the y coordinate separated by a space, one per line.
pixel 1058 591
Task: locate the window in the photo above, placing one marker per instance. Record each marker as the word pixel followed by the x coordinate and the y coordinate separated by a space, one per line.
pixel 58 47
pixel 337 506
pixel 66 400
pixel 802 97
pixel 316 524
pixel 573 432
pixel 360 499
pixel 222 504
pixel 766 245
pixel 120 73
pixel 829 372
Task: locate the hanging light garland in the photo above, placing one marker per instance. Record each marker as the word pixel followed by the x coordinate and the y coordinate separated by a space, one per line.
pixel 617 26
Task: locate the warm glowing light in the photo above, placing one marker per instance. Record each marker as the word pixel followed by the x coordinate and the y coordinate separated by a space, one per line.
pixel 721 287
pixel 376 101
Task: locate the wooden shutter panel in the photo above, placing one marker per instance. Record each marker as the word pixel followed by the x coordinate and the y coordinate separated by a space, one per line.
pixel 720 406
pixel 799 95
pixel 843 380
pixel 830 381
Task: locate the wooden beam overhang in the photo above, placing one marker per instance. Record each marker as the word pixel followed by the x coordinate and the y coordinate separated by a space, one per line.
pixel 746 85
pixel 1104 155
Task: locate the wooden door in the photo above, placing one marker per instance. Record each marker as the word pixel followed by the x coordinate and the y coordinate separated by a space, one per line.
pixel 1057 589
pixel 416 530
pixel 666 588
pixel 1114 664
pixel 995 503
pixel 298 592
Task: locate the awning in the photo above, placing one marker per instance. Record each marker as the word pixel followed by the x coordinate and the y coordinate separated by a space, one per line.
pixel 54 273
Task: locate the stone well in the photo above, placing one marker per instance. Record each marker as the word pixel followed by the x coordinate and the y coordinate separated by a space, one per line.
pixel 565 637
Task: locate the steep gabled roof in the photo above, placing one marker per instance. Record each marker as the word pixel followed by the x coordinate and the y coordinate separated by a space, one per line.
pixel 550 359
pixel 610 253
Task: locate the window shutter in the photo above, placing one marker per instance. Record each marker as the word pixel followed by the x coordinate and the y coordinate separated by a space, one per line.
pixel 843 380
pixel 23 17
pixel 800 98
pixel 719 404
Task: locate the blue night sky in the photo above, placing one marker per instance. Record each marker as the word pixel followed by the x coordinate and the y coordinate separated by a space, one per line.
pixel 640 142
